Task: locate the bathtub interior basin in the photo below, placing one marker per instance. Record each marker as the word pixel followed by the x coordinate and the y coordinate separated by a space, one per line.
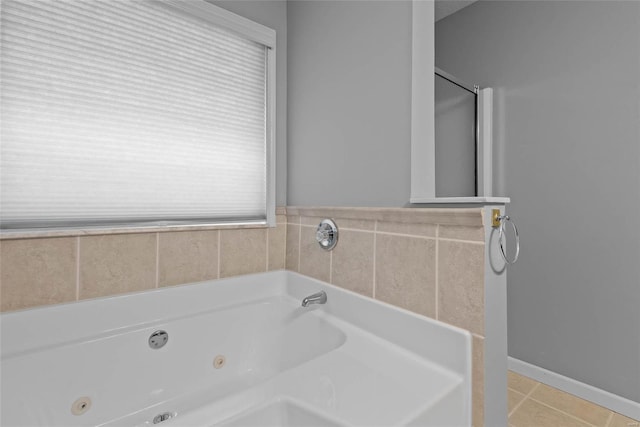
pixel 280 413
pixel 239 351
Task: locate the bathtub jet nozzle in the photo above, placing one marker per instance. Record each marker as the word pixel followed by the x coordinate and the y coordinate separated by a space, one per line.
pixel 163 417
pixel 317 298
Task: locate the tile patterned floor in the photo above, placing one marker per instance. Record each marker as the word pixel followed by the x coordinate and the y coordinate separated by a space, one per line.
pixel 533 404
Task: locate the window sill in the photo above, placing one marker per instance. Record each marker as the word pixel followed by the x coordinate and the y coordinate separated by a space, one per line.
pixel 35 233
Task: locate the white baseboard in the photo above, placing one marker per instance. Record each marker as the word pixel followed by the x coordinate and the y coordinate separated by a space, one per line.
pixel 598 396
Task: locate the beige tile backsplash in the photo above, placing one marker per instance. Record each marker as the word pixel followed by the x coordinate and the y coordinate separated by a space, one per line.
pixel 243 251
pixel 187 256
pixel 37 272
pixel 42 271
pixel 461 232
pixel 477 380
pixel 352 262
pixel 406 272
pixel 314 262
pixel 277 246
pixel 426 260
pixel 292 258
pixel 403 257
pixel 116 264
pixel 461 280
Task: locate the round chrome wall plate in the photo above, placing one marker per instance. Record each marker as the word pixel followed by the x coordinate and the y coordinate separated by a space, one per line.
pixel 327 234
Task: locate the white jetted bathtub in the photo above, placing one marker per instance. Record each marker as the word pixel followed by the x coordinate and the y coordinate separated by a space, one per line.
pixel 237 352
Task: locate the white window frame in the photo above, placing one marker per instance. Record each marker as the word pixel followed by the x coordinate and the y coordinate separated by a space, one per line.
pixel 252 31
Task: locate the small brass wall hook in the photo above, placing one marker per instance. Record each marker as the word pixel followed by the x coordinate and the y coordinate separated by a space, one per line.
pixel 495 218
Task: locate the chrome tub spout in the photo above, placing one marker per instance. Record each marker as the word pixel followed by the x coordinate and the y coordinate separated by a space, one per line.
pixel 317 298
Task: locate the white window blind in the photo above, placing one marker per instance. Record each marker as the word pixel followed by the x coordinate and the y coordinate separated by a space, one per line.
pixel 130 111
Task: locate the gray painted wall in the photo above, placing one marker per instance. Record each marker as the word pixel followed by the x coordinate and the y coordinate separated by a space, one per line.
pixel 568 150
pixel 273 14
pixel 349 123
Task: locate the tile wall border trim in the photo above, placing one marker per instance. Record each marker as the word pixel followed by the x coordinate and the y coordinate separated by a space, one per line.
pixel 470 217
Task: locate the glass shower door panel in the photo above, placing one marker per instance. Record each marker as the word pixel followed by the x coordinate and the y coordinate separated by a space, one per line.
pixel 455 140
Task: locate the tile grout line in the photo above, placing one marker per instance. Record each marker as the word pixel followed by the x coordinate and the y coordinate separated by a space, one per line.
pixel 157 260
pixel 331 263
pixel 299 245
pixel 416 236
pixel 284 249
pixel 375 249
pixel 266 267
pixel 331 266
pixel 78 268
pixel 437 268
pixel 526 396
pixel 608 423
pixel 472 242
pixel 286 239
pixel 219 250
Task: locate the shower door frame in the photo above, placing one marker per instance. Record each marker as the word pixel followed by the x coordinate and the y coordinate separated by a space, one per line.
pixel 475 91
pixel 483 146
pixel 423 188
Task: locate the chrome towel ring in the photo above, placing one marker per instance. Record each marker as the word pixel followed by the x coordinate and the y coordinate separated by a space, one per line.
pixel 500 221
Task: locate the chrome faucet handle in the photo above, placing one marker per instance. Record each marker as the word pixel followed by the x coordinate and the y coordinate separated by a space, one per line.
pixel 327 234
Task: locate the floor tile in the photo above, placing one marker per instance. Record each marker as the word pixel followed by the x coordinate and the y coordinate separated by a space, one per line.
pixel 514 398
pixel 565 402
pixel 622 421
pixel 520 383
pixel 534 414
